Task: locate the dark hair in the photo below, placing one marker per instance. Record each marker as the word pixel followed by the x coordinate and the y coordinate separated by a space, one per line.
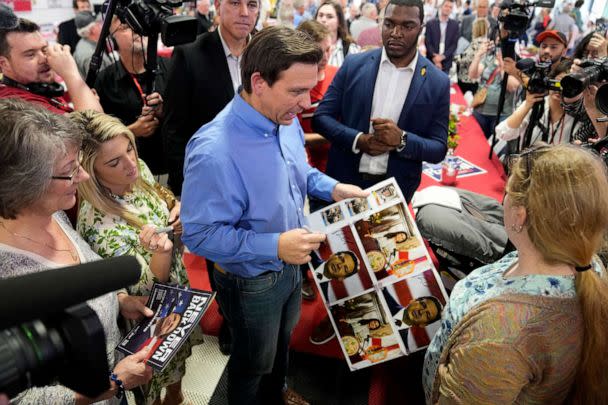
pixel 273 50
pixel 342 27
pixel 438 303
pixel 410 3
pixel 75 2
pixel 24 26
pixel 579 51
pixel 317 31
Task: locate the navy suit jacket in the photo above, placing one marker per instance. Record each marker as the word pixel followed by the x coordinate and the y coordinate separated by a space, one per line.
pixel 433 38
pixel 346 110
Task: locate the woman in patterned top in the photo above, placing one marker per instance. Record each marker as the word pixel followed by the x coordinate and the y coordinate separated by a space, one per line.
pixel 40 172
pixel 122 207
pixel 532 328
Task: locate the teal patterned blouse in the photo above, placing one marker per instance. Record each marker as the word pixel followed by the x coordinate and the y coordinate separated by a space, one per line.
pixel 483 284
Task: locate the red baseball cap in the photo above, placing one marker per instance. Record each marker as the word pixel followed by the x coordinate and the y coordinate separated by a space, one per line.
pixel 552 34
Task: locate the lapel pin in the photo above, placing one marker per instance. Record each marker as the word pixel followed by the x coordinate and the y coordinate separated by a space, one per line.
pixel 423 72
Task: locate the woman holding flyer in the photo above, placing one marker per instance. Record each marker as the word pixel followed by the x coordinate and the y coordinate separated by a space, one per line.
pixel 124 211
pixel 532 326
pixel 40 167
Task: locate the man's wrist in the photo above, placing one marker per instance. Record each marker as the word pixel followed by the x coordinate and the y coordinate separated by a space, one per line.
pixel 355 149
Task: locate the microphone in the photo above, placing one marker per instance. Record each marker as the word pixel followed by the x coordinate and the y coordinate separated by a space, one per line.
pixel 525 64
pixel 37 295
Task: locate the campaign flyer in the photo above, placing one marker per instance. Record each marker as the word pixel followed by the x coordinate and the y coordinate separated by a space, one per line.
pixel 465 168
pixel 177 311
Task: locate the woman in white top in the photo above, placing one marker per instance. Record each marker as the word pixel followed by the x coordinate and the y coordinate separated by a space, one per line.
pixel 554 124
pixel 331 15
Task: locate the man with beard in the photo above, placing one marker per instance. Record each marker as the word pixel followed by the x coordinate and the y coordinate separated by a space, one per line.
pixel 402 115
pixel 29 65
pixel 123 93
pixel 553 47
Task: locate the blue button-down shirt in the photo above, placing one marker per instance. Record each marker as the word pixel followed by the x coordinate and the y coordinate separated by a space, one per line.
pixel 245 180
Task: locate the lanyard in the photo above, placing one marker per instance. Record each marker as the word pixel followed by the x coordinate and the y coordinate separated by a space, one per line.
pixel 139 89
pixel 62 106
pixel 553 131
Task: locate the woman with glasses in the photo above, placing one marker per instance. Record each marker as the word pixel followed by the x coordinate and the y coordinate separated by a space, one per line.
pixel 532 327
pixel 124 211
pixel 39 162
pixel 331 15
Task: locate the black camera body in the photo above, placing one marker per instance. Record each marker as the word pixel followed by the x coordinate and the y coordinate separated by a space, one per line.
pixel 149 17
pixel 539 81
pixel 594 71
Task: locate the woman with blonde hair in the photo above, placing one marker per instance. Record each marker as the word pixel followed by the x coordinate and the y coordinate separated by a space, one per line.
pixel 532 327
pixel 122 212
pixel 479 31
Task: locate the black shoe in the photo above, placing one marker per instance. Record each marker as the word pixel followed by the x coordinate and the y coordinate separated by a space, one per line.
pixel 225 339
pixel 308 291
pixel 323 332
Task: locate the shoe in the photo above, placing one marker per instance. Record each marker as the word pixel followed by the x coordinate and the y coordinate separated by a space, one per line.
pixel 323 332
pixel 290 397
pixel 308 292
pixel 225 339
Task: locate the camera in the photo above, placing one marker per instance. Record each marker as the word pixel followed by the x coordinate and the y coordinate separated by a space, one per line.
pixel 515 19
pixel 538 73
pixel 68 347
pixel 48 333
pixel 600 148
pixel 148 17
pixel 594 71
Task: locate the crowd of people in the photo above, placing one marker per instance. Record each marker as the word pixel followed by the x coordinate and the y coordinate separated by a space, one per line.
pixel 258 115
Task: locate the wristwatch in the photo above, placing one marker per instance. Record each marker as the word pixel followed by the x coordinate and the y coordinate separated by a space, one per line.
pixel 403 141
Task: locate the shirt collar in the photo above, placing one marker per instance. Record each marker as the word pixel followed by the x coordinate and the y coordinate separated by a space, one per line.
pixel 410 67
pixel 227 50
pixel 252 117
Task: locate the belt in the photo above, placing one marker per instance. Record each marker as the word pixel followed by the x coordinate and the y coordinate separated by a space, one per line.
pixel 373 177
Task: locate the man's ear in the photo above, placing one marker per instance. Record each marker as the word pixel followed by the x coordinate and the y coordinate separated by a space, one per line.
pixel 216 4
pixel 4 64
pixel 258 84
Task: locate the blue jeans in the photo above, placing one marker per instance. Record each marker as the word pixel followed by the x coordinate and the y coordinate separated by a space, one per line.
pixel 261 313
pixel 487 122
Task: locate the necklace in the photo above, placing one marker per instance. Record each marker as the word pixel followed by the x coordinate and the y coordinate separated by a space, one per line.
pixel 72 253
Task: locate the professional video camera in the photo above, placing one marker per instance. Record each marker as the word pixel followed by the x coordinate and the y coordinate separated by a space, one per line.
pixel 538 73
pixel 594 71
pixel 47 334
pixel 148 18
pixel 515 19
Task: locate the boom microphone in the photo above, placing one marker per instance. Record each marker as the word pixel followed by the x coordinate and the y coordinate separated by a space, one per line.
pixel 34 296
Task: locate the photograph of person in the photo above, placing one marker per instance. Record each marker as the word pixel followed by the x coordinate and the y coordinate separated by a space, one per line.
pixel 357 206
pixel 364 330
pixel 390 243
pixel 385 194
pixel 332 215
pixel 416 304
pixel 340 269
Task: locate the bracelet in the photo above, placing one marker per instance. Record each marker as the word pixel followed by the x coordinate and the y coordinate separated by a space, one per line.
pixel 118 382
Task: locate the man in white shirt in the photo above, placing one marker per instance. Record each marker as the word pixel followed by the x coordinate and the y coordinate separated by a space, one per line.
pixel 399 115
pixel 368 19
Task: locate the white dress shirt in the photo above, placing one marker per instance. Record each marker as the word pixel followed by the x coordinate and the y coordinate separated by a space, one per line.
pixel 234 63
pixel 390 92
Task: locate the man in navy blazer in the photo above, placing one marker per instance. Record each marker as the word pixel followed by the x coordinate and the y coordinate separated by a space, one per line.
pixel 386 110
pixel 438 51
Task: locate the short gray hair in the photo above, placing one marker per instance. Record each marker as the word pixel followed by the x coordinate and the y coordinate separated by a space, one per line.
pixel 32 140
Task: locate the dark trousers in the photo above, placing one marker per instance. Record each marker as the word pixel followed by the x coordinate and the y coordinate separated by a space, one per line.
pixel 261 313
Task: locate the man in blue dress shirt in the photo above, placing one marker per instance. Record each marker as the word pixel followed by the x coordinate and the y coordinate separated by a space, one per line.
pixel 245 180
